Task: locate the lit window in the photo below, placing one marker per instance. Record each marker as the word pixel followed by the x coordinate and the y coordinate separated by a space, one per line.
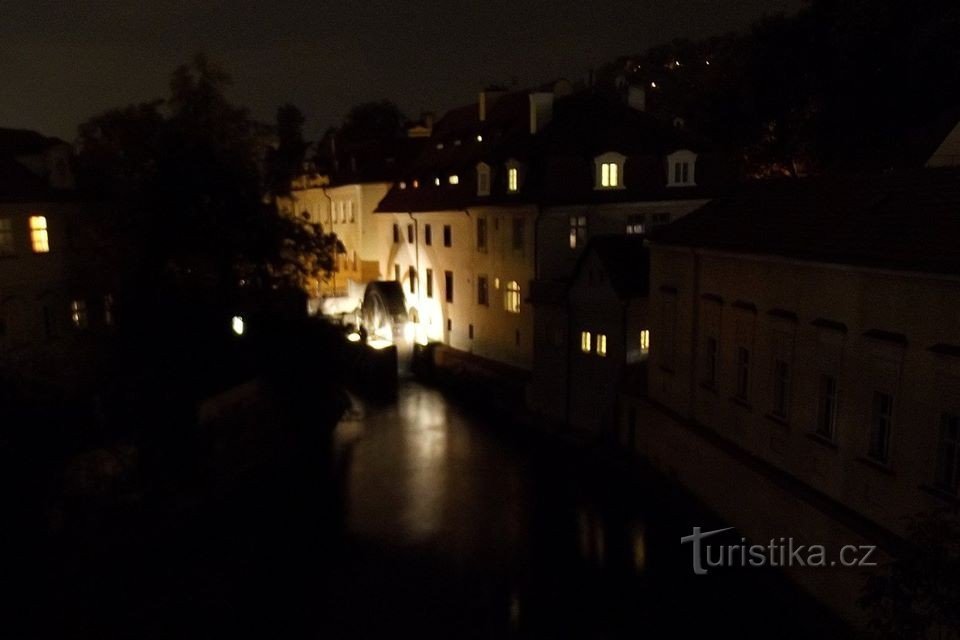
pixel 6 237
pixel 416 184
pixel 881 422
pixel 585 342
pixel 39 239
pixel 512 179
pixel 948 453
pixel 601 345
pixel 479 138
pixel 436 182
pixel 635 224
pixel 78 313
pixel 511 297
pixel 238 325
pixel 403 185
pixel 645 341
pixel 454 179
pixel 608 175
pixel 578 231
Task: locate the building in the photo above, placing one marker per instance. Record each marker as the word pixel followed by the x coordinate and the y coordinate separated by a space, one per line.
pixel 461 226
pixel 50 302
pixel 609 170
pixel 804 374
pixel 341 194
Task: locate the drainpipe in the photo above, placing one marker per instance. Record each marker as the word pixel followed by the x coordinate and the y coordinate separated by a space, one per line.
pixel 336 256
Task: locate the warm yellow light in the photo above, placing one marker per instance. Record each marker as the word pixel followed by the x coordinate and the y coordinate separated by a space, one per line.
pixel 653 85
pixel 237 324
pixel 408 332
pixel 511 297
pixel 645 341
pixel 585 341
pixel 416 184
pixel 479 138
pixel 353 337
pixel 512 179
pixel 454 179
pixel 39 238
pixel 403 185
pixel 601 344
pixel 379 343
pixel 436 182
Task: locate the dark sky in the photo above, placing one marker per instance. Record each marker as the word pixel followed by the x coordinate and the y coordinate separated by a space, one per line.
pixel 61 62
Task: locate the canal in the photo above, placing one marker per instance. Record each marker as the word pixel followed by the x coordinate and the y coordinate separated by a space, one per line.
pixel 455 525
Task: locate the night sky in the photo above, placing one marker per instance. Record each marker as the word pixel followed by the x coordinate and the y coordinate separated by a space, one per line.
pixel 62 62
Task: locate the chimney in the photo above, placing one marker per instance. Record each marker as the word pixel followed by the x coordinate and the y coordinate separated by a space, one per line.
pixel 486 100
pixel 637 98
pixel 541 110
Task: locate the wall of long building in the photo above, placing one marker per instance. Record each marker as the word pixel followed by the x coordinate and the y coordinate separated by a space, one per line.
pixel 886 340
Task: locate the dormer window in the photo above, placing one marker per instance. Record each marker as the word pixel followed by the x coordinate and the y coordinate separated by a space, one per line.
pixel 454 179
pixel 513 176
pixel 609 171
pixel 681 166
pixel 483 179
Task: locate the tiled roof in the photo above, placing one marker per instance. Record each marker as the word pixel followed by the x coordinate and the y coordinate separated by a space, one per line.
pixel 904 220
pixel 557 163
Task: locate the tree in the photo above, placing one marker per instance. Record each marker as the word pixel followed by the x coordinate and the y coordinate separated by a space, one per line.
pixel 190 173
pixel 372 121
pixel 285 161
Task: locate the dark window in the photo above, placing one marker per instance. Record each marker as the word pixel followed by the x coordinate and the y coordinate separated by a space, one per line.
pixel 449 324
pixel 470 331
pixel 827 407
pixel 635 223
pixel 516 337
pixel 710 366
pixel 743 373
pixel 396 272
pixel 396 233
pixel 429 283
pixel 481 234
pixel 448 285
pixel 781 388
pixel 948 453
pixel 410 233
pixel 447 236
pixel 881 422
pixel 427 235
pixel 483 290
pixel 578 231
pixel 412 273
pixel 519 227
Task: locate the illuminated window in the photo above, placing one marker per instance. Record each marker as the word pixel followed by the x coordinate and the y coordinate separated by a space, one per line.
pixel 512 184
pixel 454 179
pixel 635 224
pixel 6 237
pixel 608 175
pixel 586 344
pixel 645 341
pixel 511 297
pixel 403 185
pixel 609 170
pixel 578 231
pixel 78 313
pixel 601 345
pixel 436 182
pixel 39 239
pixel 416 184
